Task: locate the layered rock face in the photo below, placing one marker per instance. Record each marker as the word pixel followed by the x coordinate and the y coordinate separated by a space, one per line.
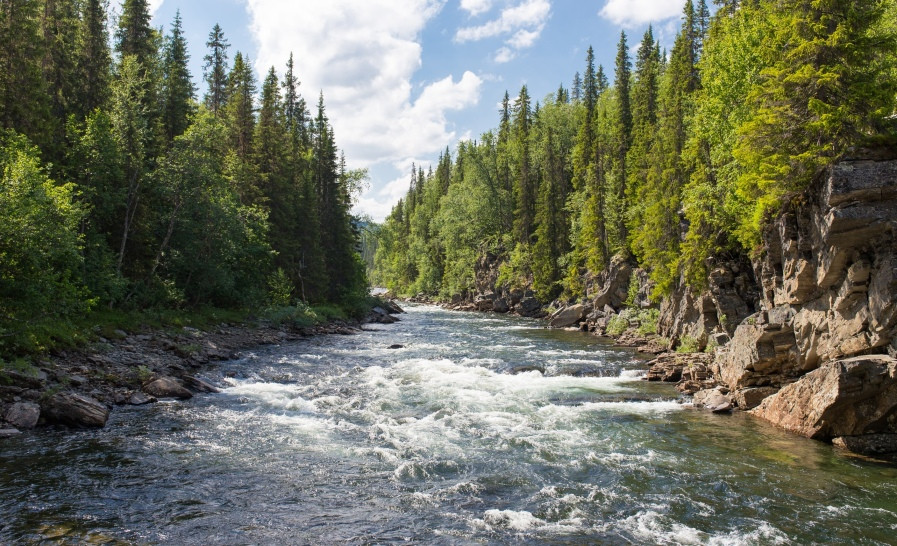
pixel 828 279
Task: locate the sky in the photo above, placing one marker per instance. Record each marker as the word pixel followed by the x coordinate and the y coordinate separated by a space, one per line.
pixel 405 79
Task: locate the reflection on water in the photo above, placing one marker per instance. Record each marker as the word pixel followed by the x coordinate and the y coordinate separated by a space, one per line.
pixel 482 429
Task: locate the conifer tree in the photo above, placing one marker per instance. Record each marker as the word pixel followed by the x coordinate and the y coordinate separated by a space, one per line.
pixel 524 177
pixel 240 108
pixel 215 70
pixel 23 92
pixel 93 59
pixel 623 130
pixel 178 92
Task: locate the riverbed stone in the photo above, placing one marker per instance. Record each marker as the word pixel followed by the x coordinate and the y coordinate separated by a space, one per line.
pixel 200 385
pixel 167 387
pixel 141 398
pixel 569 316
pixel 716 400
pixel 9 432
pixel 75 410
pixel 23 415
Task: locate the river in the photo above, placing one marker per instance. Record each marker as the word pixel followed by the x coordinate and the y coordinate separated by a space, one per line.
pixel 453 439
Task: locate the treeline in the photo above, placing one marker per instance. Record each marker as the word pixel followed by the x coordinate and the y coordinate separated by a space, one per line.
pixel 676 164
pixel 121 189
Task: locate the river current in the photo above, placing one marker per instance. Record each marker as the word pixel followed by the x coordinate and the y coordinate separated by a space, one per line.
pixel 482 429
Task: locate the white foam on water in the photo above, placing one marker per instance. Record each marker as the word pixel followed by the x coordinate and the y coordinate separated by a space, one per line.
pixel 275 395
pixel 635 375
pixel 642 407
pixel 509 519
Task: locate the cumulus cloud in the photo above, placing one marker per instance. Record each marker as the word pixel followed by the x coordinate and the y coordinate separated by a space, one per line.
pixel 522 23
pixel 154 5
pixel 476 7
pixel 637 12
pixel 363 54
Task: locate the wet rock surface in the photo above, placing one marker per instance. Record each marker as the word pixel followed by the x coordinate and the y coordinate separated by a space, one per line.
pixel 75 410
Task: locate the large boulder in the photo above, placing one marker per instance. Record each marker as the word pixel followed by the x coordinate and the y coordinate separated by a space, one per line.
pixel 23 415
pixel 167 387
pixel 569 316
pixel 74 410
pixel 848 397
pixel 612 284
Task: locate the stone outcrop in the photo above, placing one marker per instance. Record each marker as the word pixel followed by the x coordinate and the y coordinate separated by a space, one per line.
pixel 848 397
pixel 828 286
pixel 74 410
pixel 731 297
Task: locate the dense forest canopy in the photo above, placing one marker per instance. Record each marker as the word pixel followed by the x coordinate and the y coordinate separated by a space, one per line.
pixel 680 162
pixel 121 189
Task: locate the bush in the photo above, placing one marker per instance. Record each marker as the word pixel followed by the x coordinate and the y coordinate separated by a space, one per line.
pixel 617 325
pixel 688 344
pixel 648 322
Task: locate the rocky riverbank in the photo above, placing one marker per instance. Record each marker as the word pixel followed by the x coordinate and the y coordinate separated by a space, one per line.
pixel 79 388
pixel 804 335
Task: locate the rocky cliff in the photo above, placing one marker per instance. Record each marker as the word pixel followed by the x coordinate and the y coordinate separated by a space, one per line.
pixel 828 296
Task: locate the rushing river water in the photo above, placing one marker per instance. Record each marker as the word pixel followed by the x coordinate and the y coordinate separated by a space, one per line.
pixel 339 439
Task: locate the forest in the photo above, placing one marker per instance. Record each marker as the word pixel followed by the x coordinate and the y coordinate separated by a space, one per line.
pixel 676 163
pixel 123 189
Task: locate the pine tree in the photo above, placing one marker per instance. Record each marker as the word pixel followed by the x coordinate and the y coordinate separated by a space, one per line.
pixel 134 35
pixel 178 92
pixel 524 177
pixel 215 70
pixel 623 130
pixel 93 59
pixel 576 88
pixel 240 108
pixel 23 93
pixel 60 33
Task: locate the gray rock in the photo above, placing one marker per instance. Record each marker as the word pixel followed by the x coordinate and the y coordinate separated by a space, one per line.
pixel 23 415
pixel 75 410
pixel 200 385
pixel 167 387
pixel 529 306
pixel 141 398
pixel 9 432
pixel 715 400
pixel 569 316
pixel 501 305
pixel 396 346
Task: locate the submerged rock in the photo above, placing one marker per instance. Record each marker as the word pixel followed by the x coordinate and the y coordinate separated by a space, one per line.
pixel 868 444
pixel 716 400
pixel 200 385
pixel 569 316
pixel 75 410
pixel 141 399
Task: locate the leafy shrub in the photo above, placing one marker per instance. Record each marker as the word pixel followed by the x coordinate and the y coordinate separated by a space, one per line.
pixel 617 325
pixel 648 321
pixel 688 344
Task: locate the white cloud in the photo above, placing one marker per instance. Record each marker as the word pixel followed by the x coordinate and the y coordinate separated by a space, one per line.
pixel 524 22
pixel 476 7
pixel 363 54
pixel 154 5
pixel 636 12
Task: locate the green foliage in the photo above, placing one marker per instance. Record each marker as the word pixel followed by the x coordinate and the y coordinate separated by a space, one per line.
pixel 617 325
pixel 632 291
pixel 647 319
pixel 40 258
pixel 688 344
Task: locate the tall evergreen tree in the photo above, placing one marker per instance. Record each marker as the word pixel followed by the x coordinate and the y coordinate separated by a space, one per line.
pixel 524 177
pixel 23 93
pixel 623 129
pixel 134 35
pixel 240 108
pixel 93 59
pixel 215 70
pixel 178 92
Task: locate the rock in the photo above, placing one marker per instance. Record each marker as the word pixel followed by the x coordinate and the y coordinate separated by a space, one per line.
pixel 842 398
pixel 569 316
pixel 34 380
pixel 613 283
pixel 23 415
pixel 750 398
pixel 167 387
pixel 74 410
pixel 9 432
pixel 523 368
pixel 396 346
pixel 501 305
pixel 868 444
pixel 529 306
pixel 200 385
pixel 669 367
pixel 759 355
pixel 140 398
pixel 716 400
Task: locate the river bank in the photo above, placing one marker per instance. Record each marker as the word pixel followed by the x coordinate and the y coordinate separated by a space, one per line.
pixel 79 387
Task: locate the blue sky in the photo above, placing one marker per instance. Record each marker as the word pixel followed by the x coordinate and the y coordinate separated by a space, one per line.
pixel 404 79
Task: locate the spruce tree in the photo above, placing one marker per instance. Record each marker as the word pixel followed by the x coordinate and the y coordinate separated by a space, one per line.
pixel 240 107
pixel 215 70
pixel 623 132
pixel 524 177
pixel 178 92
pixel 93 59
